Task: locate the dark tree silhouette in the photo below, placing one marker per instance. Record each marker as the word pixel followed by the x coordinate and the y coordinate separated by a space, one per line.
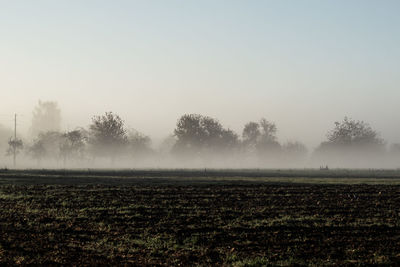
pixel 260 138
pixel 351 142
pixel 14 146
pixel 73 145
pixel 189 132
pixel 352 132
pixel 107 135
pixel 198 134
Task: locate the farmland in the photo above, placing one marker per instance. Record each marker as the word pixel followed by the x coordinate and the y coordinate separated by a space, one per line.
pixel 200 217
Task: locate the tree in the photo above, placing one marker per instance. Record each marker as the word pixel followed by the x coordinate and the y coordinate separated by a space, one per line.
pixel 268 133
pixel 14 147
pixel 107 135
pixel 228 140
pixel 73 145
pixel 47 145
pixel 260 137
pixel 351 143
pixel 189 133
pixel 251 134
pixel 46 117
pixel 37 151
pixel 267 143
pixel 167 144
pixel 295 151
pixel 354 133
pixel 197 134
pixel 295 147
pixel 139 143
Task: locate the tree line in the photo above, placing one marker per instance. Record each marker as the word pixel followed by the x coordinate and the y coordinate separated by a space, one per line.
pixel 196 138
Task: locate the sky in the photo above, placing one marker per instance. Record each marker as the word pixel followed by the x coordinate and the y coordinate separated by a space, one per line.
pixel 301 64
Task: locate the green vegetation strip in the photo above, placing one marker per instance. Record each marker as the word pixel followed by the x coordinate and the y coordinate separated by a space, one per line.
pixel 199 176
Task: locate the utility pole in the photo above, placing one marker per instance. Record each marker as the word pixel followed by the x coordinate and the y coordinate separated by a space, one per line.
pixel 15 140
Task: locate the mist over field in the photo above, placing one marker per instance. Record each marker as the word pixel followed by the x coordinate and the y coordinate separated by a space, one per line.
pixel 200 133
pixel 197 141
pixel 225 84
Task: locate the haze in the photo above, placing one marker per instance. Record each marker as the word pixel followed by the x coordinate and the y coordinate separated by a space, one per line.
pixel 300 64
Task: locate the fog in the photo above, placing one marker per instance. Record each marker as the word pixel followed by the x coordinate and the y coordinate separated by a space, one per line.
pixel 301 66
pixel 196 141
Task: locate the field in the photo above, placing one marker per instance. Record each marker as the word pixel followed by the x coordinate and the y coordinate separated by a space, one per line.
pixel 200 217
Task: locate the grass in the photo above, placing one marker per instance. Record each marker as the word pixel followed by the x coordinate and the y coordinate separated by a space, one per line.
pixel 212 176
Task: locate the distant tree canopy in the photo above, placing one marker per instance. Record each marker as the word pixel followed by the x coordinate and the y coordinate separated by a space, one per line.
pixel 46 146
pixel 55 145
pixel 351 143
pixel 260 137
pixel 139 144
pixel 198 138
pixel 37 150
pixel 73 144
pixel 197 134
pixel 107 135
pixel 46 117
pixel 353 134
pixel 167 144
pixel 295 150
pixel 251 134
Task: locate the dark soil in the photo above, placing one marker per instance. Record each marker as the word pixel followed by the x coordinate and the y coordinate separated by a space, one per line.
pixel 236 223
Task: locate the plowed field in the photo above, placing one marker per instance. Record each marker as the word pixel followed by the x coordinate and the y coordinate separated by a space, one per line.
pixel 226 223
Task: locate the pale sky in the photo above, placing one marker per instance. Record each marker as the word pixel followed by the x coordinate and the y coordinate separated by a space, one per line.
pixel 302 64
